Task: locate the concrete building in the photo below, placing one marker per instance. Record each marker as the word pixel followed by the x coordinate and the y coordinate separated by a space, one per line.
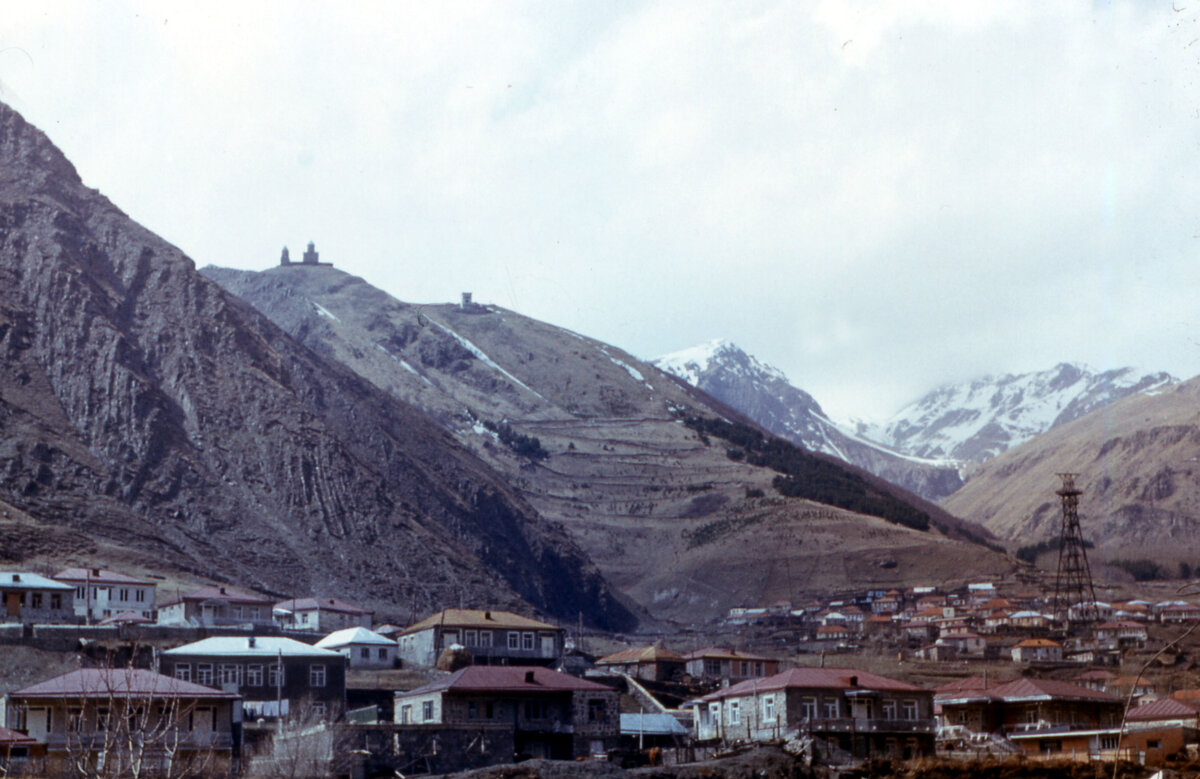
pixel 216 607
pixel 363 648
pixel 100 594
pixel 320 615
pixel 29 598
pixel 492 638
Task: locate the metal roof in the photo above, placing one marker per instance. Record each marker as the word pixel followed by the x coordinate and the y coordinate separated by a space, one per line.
pixel 23 580
pixel 817 679
pixel 232 646
pixel 117 683
pixel 651 725
pixel 353 637
pixel 228 594
pixel 478 618
pixel 508 678
pixel 97 575
pixel 320 604
pixel 641 654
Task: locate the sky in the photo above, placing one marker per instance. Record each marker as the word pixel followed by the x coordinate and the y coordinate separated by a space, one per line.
pixel 876 198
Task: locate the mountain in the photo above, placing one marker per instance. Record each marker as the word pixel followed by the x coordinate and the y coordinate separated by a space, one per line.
pixel 146 412
pixel 672 493
pixel 975 421
pixel 1138 462
pixel 765 395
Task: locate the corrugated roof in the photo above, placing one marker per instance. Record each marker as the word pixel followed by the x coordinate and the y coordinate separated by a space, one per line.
pixel 816 679
pixel 478 618
pixel 228 594
pixel 241 646
pixel 97 575
pixel 1025 689
pixel 119 683
pixel 12 738
pixel 641 654
pixel 719 653
pixel 321 604
pixel 23 580
pixel 354 636
pixel 1164 708
pixel 651 725
pixel 508 678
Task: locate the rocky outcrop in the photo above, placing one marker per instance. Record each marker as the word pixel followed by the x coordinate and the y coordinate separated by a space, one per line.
pixel 141 403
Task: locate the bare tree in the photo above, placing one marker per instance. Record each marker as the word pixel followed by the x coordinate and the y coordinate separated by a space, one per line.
pixel 305 746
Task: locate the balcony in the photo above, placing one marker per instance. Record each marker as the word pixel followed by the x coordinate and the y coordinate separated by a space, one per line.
pixel 865 725
pixel 96 742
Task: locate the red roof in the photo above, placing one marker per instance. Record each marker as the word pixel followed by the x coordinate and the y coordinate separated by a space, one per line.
pixel 815 679
pixel 320 604
pixel 1043 688
pixel 97 575
pixel 1164 708
pixel 510 679
pixel 10 738
pixel 642 654
pixel 118 683
pixel 218 593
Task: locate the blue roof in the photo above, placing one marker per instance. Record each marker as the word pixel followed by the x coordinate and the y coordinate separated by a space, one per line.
pixel 651 725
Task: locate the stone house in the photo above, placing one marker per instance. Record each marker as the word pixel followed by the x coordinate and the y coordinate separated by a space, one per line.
pixel 1037 650
pixel 100 594
pixel 652 663
pixel 320 615
pixel 492 638
pixel 552 715
pixel 857 711
pixel 728 664
pixel 29 598
pixel 1121 634
pixel 216 607
pixel 312 678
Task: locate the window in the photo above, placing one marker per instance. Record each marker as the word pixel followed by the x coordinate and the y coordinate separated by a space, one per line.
pixel 365 653
pixel 183 672
pixel 304 618
pixel 316 676
pixel 253 613
pixel 1111 742
pixel 35 600
pixel 405 714
pixel 485 638
pixel 910 709
pixel 769 708
pixel 237 612
pixel 514 640
pixel 449 637
pixel 124 594
pixel 489 710
pixel 74 719
pixel 204 674
pixel 536 710
pixel 383 653
pixel 597 710
pixel 472 710
pixel 527 641
pixel 427 711
pixel 712 667
pixel 139 596
pixel 735 714
pixel 1152 743
pixel 254 676
pixel 889 709
pixel 808 708
pixel 471 637
pixel 832 709
pixel 55 600
pixel 274 677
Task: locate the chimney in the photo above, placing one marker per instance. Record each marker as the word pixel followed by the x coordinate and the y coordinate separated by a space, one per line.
pixel 16 578
pixel 251 640
pixel 223 591
pixel 529 677
pixel 853 681
pixel 96 572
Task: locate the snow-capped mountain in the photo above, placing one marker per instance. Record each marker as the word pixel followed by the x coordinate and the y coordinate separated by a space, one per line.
pixel 764 394
pixel 975 421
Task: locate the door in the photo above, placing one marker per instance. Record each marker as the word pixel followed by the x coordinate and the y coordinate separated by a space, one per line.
pixel 548 648
pixel 12 604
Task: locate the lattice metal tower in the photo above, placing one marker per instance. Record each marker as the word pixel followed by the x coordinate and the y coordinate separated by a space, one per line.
pixel 1073 585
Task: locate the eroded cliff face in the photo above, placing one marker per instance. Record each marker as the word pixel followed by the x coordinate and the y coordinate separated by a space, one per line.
pixel 141 403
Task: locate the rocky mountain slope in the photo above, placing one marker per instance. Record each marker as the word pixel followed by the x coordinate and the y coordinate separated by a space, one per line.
pixel 684 521
pixel 1138 462
pixel 975 421
pixel 144 408
pixel 765 395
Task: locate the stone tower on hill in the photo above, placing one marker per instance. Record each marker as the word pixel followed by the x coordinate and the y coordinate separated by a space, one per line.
pixel 311 257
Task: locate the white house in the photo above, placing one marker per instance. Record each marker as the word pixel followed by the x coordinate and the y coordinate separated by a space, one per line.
pixel 100 593
pixel 363 648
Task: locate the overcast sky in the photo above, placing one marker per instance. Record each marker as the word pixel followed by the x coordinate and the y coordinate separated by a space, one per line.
pixel 875 198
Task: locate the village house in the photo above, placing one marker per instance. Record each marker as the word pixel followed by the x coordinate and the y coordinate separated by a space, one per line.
pixel 1121 634
pixel 1028 620
pixel 728 665
pixel 320 615
pixel 552 715
pixel 21 754
pixel 123 714
pixel 833 636
pixel 650 663
pixel 966 644
pixel 1038 716
pixel 491 637
pixel 1159 729
pixel 857 711
pixel 216 607
pixel 100 594
pixel 29 598
pixel 1179 612
pixel 1037 650
pixel 313 680
pixel 1096 679
pixel 363 648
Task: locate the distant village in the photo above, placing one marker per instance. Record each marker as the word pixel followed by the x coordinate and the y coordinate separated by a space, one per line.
pixel 219 681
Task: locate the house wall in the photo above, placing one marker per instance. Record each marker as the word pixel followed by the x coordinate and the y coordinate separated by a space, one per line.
pixel 254 679
pixel 327 620
pixel 37 605
pixel 378 655
pixel 56 723
pixel 417 648
pixel 422 648
pixel 108 599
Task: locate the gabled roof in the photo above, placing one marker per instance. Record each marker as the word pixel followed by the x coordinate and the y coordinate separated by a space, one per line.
pixel 815 679
pixel 718 653
pixel 478 618
pixel 354 637
pixel 23 580
pixel 507 679
pixel 321 604
pixel 236 646
pixel 118 683
pixel 97 576
pixel 641 654
pixel 1165 708
pixel 227 594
